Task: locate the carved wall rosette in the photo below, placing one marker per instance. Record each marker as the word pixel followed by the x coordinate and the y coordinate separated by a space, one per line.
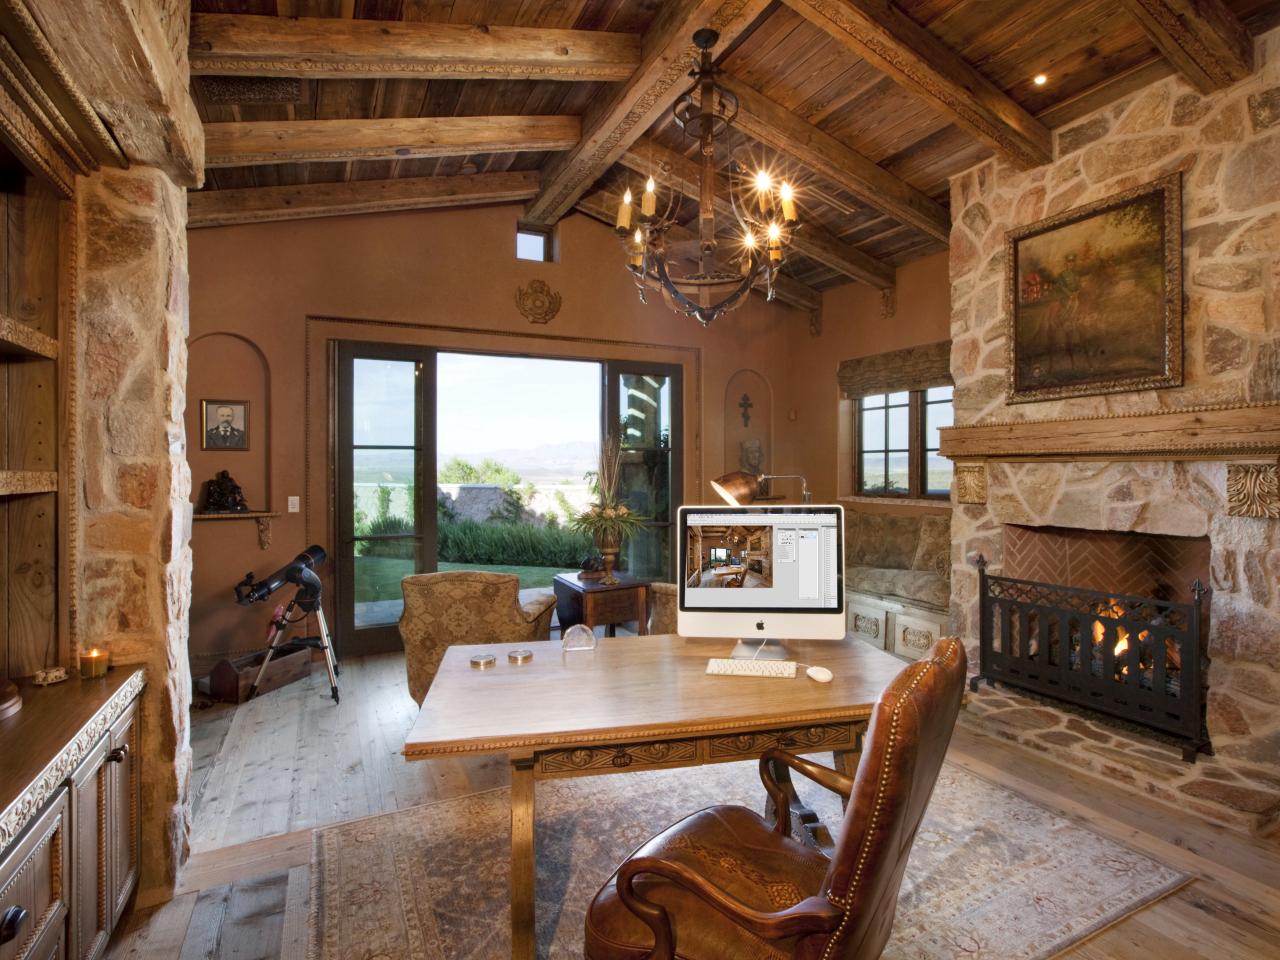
pixel 537 303
pixel 1253 490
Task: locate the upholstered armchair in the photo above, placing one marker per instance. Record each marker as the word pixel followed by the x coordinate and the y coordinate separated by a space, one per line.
pixel 724 882
pixel 441 609
pixel 663 601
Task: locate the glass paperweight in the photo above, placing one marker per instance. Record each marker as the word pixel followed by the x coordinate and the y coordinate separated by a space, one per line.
pixel 579 637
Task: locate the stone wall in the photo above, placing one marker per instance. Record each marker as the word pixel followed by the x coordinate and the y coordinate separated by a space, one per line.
pixel 135 516
pixel 1227 148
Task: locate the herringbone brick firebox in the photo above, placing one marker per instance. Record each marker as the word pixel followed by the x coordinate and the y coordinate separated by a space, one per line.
pixel 1142 564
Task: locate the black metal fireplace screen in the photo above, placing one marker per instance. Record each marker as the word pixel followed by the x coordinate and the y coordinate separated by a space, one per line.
pixel 1137 658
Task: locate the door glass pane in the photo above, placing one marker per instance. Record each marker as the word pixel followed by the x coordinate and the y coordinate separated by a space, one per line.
pixel 383 491
pixel 645 408
pixel 645 416
pixel 383 402
pixel 647 553
pixel 380 565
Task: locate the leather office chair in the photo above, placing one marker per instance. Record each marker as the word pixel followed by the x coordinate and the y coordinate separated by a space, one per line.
pixel 464 606
pixel 724 883
pixel 663 600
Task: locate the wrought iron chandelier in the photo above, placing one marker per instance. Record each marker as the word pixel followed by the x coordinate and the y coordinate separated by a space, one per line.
pixel 763 206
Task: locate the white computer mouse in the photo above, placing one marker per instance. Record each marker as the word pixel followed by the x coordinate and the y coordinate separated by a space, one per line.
pixel 821 674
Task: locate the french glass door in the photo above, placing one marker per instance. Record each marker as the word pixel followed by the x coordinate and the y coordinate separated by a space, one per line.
pixel 386 492
pixel 644 402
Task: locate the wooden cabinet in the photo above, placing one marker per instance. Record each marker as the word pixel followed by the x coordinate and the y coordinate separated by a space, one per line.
pixel 123 771
pixel 91 923
pixel 33 897
pixel 69 777
pixel 104 804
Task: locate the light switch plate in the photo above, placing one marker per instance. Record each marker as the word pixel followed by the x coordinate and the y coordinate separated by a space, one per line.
pixel 295 504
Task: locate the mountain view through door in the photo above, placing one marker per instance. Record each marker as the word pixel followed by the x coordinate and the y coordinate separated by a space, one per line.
pixel 517 438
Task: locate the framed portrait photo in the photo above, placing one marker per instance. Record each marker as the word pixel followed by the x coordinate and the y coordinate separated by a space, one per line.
pixel 1095 297
pixel 224 424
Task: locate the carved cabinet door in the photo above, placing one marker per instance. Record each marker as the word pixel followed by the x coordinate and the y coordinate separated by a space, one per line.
pixel 90 907
pixel 123 765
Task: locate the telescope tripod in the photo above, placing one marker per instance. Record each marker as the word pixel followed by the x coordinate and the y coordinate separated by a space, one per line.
pixel 307 603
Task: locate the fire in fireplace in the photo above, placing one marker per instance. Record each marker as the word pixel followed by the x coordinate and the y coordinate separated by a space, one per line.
pixel 1138 658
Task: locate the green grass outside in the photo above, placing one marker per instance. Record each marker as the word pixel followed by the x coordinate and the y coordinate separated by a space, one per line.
pixel 378 578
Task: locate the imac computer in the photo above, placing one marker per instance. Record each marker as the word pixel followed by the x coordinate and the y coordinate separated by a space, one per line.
pixel 762 574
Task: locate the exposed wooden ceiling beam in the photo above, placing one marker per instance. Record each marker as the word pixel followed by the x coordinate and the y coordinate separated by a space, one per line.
pixel 235 44
pixel 811 240
pixel 880 33
pixel 122 58
pixel 667 53
pixel 217 208
pixel 1202 38
pixel 310 141
pixel 776 127
pixel 601 206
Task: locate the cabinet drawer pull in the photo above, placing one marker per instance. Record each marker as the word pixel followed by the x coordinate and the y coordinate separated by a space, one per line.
pixel 12 920
pixel 118 754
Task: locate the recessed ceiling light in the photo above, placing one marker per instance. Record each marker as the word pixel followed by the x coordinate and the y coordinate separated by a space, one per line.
pixel 1039 79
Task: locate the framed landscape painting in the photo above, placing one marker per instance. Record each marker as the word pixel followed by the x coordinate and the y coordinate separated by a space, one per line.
pixel 1096 297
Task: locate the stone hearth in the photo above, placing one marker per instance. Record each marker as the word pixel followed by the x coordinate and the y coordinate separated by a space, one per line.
pixel 1231 242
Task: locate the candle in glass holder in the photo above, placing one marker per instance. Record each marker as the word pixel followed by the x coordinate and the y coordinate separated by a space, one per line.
pixel 93 663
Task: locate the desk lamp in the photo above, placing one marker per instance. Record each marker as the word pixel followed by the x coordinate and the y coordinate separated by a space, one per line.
pixel 739 489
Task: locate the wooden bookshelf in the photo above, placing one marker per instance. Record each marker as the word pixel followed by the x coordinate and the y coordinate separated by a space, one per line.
pixel 21 482
pixel 36 558
pixel 19 340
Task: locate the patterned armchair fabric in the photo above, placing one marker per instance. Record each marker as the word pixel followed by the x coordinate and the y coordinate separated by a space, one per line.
pixel 441 609
pixel 663 599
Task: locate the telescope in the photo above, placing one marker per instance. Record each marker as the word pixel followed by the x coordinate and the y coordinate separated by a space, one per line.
pixel 301 573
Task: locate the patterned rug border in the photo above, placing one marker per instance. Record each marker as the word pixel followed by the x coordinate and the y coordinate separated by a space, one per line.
pixel 316 911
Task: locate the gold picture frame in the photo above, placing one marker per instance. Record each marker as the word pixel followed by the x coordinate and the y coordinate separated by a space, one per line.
pixel 1095 297
pixel 218 431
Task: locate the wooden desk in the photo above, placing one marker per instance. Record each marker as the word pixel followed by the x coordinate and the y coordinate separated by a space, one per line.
pixel 600 604
pixel 634 705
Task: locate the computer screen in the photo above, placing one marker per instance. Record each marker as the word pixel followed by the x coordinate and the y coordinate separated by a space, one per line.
pixel 783 559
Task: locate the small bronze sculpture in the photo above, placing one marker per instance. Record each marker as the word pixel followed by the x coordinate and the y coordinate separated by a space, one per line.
pixel 223 495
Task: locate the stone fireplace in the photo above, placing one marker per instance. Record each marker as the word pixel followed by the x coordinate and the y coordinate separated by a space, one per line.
pixel 1117 623
pixel 1194 465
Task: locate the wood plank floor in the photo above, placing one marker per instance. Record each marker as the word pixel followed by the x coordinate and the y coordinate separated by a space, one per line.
pixel 270 771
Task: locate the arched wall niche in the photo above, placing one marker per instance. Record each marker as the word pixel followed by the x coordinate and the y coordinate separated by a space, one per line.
pixel 230 367
pixel 748 423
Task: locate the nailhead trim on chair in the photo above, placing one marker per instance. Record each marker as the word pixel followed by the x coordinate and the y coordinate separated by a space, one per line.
pixel 846 905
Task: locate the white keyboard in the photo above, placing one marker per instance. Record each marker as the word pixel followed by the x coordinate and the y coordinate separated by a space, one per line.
pixel 724 667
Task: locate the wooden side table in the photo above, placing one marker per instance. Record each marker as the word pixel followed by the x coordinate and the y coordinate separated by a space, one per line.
pixel 597 604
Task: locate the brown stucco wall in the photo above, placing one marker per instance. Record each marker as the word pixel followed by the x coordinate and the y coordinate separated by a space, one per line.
pixel 445 278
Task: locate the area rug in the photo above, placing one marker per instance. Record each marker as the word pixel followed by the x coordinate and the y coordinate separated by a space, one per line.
pixel 991 877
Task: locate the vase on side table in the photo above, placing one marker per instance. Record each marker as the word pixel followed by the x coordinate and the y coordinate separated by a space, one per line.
pixel 608 547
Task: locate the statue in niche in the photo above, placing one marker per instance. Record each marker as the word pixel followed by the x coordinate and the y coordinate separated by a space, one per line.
pixel 223 495
pixel 751 458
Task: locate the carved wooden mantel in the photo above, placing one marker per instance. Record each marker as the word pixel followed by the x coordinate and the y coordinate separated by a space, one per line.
pixel 1197 433
pixel 1223 432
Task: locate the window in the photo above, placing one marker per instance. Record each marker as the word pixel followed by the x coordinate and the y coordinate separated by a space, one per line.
pixel 532 245
pixel 898 441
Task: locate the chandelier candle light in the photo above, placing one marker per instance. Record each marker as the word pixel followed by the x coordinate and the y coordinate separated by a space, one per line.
pixel 763 206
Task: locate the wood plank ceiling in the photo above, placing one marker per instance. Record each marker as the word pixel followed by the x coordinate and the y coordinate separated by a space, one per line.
pixel 869 105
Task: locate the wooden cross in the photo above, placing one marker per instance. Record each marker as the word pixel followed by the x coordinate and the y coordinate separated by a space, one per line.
pixel 745 405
